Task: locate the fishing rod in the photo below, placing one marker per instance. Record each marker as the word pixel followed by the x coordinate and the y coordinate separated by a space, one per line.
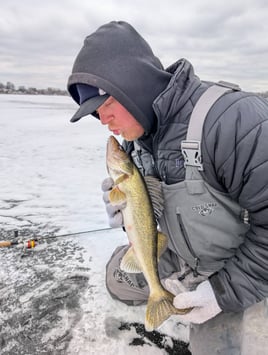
pixel 28 244
pixel 32 242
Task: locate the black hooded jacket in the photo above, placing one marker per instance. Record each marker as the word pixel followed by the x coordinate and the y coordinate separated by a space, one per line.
pixel 117 59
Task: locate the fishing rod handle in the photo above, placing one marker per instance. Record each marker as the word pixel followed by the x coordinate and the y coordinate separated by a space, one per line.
pixel 5 243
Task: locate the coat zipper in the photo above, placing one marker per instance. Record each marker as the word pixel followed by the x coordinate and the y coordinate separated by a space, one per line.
pixel 187 241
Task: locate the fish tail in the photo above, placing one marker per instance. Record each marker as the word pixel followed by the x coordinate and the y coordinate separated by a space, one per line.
pixel 159 308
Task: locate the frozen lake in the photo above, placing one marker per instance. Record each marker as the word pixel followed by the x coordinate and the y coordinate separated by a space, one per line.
pixel 51 169
pixel 53 298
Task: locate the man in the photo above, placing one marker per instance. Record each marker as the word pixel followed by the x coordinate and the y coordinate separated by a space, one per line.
pixel 215 214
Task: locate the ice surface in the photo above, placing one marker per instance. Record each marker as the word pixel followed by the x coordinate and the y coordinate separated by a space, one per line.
pixel 53 298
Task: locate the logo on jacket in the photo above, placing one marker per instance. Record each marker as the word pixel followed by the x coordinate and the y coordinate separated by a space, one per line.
pixel 205 209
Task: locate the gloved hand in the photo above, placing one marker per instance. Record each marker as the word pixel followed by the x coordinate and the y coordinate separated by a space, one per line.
pixel 202 299
pixel 114 211
pixel 173 285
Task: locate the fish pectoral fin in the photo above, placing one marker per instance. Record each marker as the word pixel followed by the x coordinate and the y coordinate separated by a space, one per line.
pixel 116 196
pixel 162 242
pixel 129 262
pixel 121 178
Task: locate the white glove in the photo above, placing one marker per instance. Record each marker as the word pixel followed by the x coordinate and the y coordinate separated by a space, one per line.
pixel 114 211
pixel 203 301
pixel 173 285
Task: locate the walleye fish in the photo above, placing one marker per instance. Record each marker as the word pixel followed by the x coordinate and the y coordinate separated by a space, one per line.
pixel 146 243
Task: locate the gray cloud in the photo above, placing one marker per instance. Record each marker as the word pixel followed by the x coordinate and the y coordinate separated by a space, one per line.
pixel 224 40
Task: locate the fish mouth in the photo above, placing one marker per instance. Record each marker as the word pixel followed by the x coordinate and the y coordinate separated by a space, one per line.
pixel 116 157
pixel 114 147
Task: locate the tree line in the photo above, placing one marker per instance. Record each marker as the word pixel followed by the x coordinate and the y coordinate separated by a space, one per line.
pixel 264 94
pixel 10 88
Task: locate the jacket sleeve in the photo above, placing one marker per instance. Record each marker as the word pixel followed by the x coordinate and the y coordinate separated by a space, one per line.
pixel 235 148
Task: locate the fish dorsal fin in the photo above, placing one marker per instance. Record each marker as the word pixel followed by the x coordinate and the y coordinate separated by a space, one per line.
pixel 155 191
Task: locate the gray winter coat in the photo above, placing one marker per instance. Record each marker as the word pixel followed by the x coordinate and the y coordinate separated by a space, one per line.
pixel 235 159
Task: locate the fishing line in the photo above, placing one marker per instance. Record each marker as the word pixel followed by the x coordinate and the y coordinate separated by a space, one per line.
pixel 77 233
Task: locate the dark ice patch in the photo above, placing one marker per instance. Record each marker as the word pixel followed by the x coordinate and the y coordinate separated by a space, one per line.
pixel 40 303
pixel 113 327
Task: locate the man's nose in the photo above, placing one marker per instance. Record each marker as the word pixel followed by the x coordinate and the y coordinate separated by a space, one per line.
pixel 104 118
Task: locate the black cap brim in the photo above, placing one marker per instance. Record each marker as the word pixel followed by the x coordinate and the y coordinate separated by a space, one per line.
pixel 89 106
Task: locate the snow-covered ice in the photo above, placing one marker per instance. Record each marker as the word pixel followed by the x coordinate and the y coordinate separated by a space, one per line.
pixel 53 298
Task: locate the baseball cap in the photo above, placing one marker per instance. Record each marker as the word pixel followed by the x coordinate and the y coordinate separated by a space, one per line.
pixel 89 99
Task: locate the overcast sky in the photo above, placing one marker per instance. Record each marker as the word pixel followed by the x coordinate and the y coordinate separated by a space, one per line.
pixel 224 39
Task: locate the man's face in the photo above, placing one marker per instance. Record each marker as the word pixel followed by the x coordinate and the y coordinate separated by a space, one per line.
pixel 119 120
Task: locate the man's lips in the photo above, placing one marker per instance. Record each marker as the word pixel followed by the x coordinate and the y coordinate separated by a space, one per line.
pixel 115 131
